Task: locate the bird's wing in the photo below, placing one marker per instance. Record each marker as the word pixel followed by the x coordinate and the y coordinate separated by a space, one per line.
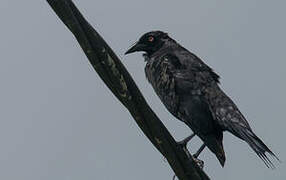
pixel 204 80
pixel 225 111
pixel 193 77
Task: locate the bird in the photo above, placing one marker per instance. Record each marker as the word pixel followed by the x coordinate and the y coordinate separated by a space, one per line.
pixel 190 90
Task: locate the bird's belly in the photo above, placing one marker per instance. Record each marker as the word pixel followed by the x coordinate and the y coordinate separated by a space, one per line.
pixel 164 86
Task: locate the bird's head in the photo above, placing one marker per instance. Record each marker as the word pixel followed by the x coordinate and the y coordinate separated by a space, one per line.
pixel 150 42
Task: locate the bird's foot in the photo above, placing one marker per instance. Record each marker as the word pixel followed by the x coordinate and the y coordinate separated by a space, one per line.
pixel 185 141
pixel 199 162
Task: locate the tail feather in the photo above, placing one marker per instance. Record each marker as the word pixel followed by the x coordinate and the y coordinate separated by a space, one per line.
pixel 259 148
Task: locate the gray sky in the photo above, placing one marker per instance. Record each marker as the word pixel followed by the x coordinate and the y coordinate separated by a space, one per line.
pixel 60 122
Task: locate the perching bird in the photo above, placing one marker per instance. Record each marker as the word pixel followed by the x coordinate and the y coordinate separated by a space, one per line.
pixel 189 89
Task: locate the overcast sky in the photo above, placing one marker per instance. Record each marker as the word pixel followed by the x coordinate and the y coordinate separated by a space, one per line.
pixel 60 122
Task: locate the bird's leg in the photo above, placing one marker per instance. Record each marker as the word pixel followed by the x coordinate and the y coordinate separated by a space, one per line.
pixel 196 155
pixel 186 140
pixel 199 162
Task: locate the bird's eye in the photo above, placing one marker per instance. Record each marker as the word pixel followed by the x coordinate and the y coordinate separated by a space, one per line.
pixel 150 38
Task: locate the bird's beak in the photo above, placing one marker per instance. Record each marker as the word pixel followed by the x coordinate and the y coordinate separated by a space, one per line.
pixel 136 47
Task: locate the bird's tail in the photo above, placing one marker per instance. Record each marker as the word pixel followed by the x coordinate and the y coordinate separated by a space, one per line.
pixel 215 145
pixel 259 148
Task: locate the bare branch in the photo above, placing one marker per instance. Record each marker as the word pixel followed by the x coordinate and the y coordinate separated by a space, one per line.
pixel 116 77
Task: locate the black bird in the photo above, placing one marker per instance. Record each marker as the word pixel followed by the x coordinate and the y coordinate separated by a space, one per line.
pixel 189 89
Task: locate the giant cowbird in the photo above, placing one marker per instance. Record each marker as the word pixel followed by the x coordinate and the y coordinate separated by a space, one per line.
pixel 190 91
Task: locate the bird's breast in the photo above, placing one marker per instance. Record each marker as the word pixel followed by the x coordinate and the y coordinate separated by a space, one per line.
pixel 160 77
